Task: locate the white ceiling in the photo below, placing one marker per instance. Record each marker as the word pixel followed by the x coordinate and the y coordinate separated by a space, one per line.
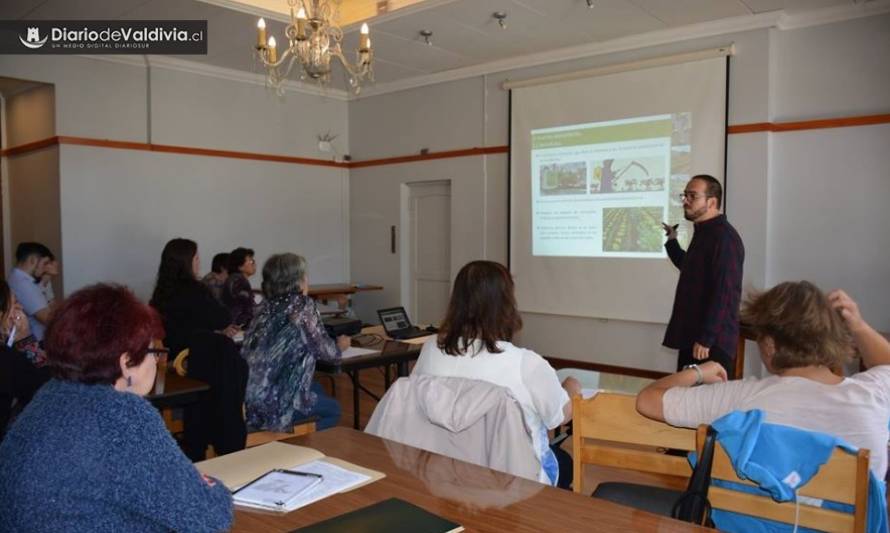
pixel 464 32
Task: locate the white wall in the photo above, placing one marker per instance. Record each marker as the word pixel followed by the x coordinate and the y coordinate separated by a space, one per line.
pixel 118 207
pixel 31 180
pixel 828 189
pixel 770 79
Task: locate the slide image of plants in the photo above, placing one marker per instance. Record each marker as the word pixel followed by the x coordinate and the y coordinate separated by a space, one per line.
pixel 632 229
pixel 564 178
pixel 628 175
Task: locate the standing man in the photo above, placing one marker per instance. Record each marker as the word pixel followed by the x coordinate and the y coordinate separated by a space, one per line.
pixel 704 323
pixel 31 260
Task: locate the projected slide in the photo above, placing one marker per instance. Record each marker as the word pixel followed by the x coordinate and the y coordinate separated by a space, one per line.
pixel 602 189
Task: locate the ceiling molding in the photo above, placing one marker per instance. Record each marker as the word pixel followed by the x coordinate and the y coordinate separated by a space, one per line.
pixel 203 69
pixel 772 19
pixel 832 14
pixel 241 7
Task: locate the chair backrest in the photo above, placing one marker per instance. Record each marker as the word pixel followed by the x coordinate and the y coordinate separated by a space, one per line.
pixel 608 431
pixel 179 364
pixel 470 420
pixel 844 479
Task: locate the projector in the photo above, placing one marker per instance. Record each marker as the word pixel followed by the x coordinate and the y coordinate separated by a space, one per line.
pixel 337 326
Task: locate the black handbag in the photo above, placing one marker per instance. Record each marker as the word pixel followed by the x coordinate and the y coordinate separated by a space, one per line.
pixel 693 505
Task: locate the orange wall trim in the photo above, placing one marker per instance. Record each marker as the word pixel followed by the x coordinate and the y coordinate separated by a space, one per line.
pixel 171 149
pixel 843 122
pixel 431 155
pixel 820 124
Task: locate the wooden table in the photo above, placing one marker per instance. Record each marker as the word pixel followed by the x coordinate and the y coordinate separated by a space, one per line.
pixel 478 498
pixel 339 292
pixel 390 353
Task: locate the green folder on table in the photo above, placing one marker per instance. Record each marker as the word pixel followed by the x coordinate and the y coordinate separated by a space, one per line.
pixel 389 516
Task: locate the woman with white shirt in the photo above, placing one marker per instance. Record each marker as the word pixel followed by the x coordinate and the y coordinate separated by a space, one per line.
pixel 804 338
pixel 474 343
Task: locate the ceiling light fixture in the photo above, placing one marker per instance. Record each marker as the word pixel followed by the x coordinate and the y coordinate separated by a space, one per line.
pixel 590 4
pixel 501 17
pixel 426 34
pixel 313 39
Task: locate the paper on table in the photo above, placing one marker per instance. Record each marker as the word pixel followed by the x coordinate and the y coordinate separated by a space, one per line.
pixel 354 351
pixel 236 469
pixel 335 479
pixel 276 489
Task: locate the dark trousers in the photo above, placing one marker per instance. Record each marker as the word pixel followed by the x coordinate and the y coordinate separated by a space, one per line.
pixel 714 354
pixel 566 467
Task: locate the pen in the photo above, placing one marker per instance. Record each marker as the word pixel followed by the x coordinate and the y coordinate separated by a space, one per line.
pixel 305 474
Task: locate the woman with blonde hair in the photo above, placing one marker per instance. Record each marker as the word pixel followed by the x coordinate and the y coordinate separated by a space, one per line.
pixel 805 337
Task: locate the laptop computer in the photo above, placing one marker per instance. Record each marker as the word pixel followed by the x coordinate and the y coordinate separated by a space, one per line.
pixel 398 326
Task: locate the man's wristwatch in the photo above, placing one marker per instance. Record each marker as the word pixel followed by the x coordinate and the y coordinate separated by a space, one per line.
pixel 699 377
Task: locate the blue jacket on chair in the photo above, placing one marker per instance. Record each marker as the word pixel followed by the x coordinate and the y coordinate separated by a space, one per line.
pixel 781 459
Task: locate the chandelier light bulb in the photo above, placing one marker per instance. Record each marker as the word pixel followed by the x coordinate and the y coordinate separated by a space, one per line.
pixel 261 33
pixel 364 41
pixel 301 14
pixel 273 52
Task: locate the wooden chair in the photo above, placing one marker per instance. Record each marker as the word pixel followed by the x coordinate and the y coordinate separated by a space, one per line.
pixel 256 438
pixel 608 431
pixel 844 478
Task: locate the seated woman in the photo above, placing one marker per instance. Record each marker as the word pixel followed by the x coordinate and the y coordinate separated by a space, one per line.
pixel 281 346
pixel 21 370
pixel 89 453
pixel 219 272
pixel 237 294
pixel 474 343
pixel 186 305
pixel 803 341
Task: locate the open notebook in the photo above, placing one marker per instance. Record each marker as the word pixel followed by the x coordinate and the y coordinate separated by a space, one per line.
pixel 328 475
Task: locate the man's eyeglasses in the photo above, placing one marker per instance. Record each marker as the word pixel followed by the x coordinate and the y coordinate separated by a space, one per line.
pixel 691 196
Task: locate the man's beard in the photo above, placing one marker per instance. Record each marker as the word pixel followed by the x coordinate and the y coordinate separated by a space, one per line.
pixel 695 214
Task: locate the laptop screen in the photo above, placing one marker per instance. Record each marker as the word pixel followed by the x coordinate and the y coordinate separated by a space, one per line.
pixel 394 319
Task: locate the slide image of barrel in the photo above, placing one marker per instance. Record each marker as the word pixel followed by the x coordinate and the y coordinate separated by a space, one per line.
pixel 564 178
pixel 682 128
pixel 632 229
pixel 628 175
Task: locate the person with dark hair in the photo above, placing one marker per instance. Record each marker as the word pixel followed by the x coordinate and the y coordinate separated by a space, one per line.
pixel 804 338
pixel 89 453
pixel 281 346
pixel 185 303
pixel 31 260
pixel 19 376
pixel 238 294
pixel 474 342
pixel 704 324
pixel 219 272
pixel 45 281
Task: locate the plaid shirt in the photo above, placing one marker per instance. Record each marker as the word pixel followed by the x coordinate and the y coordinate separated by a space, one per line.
pixel 706 304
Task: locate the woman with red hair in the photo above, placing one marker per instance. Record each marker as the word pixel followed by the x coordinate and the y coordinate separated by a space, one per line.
pixel 89 453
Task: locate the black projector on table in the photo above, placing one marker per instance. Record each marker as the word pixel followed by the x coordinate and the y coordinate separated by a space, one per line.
pixel 337 326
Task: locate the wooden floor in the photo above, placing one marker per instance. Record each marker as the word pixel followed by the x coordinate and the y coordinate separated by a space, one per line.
pixel 372 379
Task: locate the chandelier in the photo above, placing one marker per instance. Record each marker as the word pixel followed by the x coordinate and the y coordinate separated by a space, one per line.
pixel 313 40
